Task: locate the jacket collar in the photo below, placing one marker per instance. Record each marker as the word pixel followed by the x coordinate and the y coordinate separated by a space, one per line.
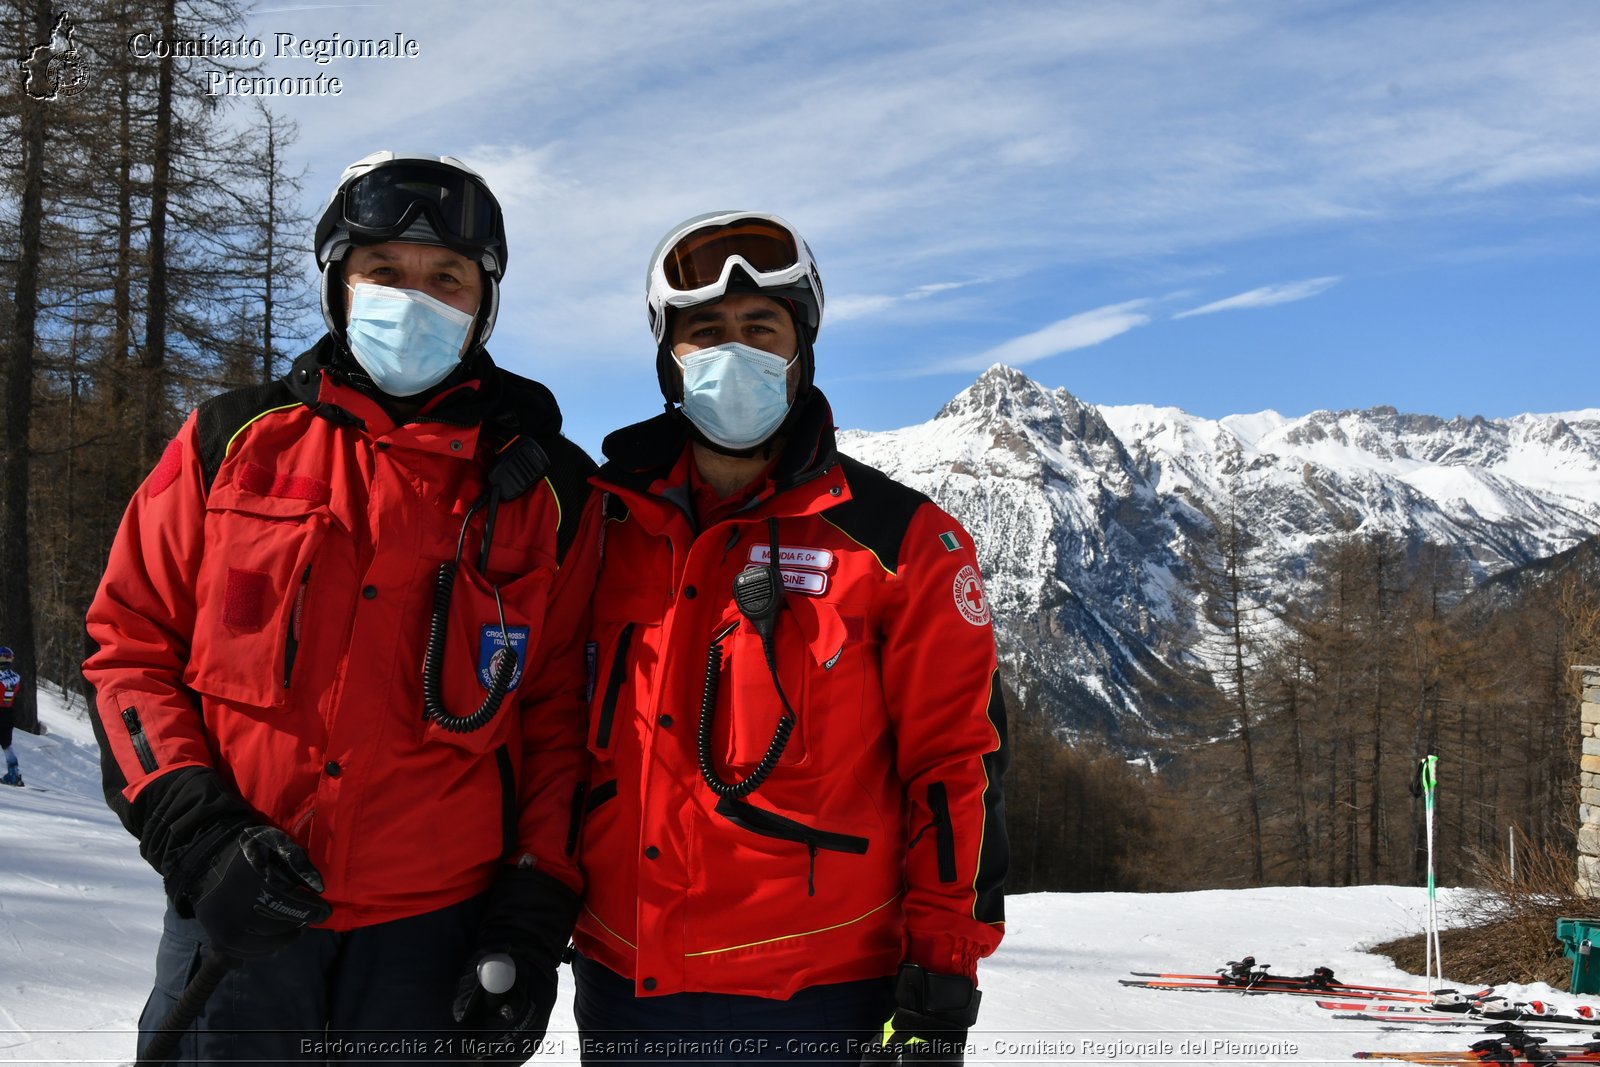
pixel 640 458
pixel 638 455
pixel 510 403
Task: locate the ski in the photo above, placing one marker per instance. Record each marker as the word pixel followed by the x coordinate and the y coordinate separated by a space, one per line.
pixel 1285 988
pixel 1332 986
pixel 1512 1046
pixel 1248 974
pixel 1411 1024
pixel 1497 1008
pixel 1491 1055
pixel 1524 1015
pixel 1463 1007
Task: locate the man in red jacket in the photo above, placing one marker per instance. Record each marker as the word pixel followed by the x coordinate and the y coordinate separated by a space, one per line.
pixel 793 829
pixel 340 672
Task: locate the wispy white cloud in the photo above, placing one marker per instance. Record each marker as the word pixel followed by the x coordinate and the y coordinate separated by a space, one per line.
pixel 861 305
pixel 1266 296
pixel 1083 330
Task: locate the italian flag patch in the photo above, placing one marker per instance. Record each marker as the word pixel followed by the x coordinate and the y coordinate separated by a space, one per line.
pixel 948 540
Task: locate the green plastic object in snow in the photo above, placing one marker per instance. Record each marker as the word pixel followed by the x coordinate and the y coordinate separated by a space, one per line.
pixel 1580 940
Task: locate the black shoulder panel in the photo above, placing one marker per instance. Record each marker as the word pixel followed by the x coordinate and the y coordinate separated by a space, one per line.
pixel 570 468
pixel 523 406
pixel 218 419
pixel 878 512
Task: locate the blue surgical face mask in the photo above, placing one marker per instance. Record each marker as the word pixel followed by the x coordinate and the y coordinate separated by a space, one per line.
pixel 405 340
pixel 734 394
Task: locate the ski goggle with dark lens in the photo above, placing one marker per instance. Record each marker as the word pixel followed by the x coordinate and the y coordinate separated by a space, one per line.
pixel 697 264
pixel 387 199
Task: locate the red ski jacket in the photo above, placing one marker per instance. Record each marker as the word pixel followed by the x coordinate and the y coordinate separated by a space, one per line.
pixel 878 838
pixel 265 613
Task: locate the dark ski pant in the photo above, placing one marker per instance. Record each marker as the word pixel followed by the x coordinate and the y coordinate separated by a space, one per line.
pixel 380 994
pixel 827 1024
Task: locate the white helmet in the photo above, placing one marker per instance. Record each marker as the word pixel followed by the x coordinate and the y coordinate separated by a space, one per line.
pixel 702 259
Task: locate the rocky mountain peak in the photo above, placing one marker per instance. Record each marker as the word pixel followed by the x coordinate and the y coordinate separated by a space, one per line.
pixel 1085 516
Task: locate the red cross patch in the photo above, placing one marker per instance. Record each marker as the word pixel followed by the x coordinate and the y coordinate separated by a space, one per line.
pixel 970 598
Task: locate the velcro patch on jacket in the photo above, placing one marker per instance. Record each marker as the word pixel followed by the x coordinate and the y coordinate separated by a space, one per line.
pixel 491 646
pixel 244 600
pixel 168 469
pixel 258 479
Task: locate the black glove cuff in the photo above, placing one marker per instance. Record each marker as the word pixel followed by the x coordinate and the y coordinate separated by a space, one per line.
pixel 529 914
pixel 184 820
pixel 949 998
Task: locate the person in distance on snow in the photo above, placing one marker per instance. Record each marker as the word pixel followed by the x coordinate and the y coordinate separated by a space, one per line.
pixel 340 672
pixel 10 692
pixel 793 831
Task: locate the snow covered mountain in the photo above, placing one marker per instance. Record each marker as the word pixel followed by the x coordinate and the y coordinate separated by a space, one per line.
pixel 1083 515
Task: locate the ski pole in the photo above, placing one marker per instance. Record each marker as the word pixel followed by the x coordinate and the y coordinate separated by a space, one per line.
pixel 183 1013
pixel 1428 775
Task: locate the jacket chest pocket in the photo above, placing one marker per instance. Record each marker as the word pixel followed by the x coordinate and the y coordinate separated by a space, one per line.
pixel 748 700
pixel 483 624
pixel 826 665
pixel 265 540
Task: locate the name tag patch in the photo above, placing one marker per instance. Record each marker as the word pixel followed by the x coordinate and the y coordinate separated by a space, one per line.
pixel 491 647
pixel 803 569
pixel 815 559
pixel 804 581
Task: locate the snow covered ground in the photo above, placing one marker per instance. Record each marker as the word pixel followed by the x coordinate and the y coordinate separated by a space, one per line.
pixel 80 915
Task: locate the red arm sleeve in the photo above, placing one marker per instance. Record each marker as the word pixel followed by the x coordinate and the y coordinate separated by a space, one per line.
pixel 555 711
pixel 142 619
pixel 940 684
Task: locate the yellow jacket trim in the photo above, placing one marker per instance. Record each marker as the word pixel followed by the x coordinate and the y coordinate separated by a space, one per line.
pixel 787 937
pixel 246 426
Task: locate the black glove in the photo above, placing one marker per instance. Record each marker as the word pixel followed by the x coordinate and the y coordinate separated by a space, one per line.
pixel 528 916
pixel 257 894
pixel 930 1024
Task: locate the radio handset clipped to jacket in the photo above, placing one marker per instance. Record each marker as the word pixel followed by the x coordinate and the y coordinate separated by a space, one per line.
pixel 758 593
pixel 518 467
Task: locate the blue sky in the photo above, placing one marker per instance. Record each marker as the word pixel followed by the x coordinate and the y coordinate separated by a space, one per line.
pixel 1220 206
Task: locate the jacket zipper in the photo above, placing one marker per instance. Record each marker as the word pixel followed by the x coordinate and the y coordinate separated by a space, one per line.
pixel 141 743
pixel 291 640
pixel 608 706
pixel 575 818
pixel 771 824
pixel 944 833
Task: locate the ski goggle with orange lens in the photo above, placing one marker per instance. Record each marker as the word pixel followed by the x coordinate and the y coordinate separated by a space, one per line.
pixel 696 267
